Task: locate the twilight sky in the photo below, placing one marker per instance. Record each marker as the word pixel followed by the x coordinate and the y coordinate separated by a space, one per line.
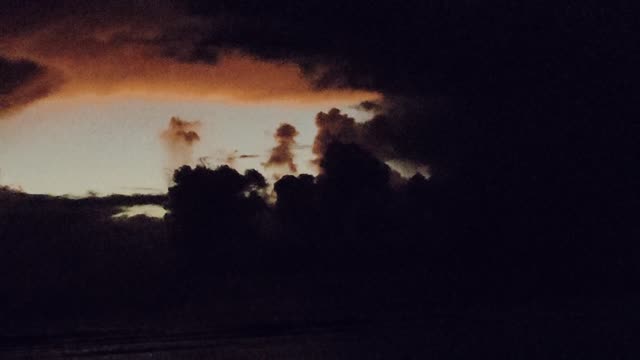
pixel 521 117
pixel 516 94
pixel 86 97
pixel 112 144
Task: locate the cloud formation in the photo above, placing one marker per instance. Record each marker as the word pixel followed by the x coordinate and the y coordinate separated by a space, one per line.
pixel 146 50
pixel 380 136
pixel 474 91
pixel 282 153
pixel 179 138
pixel 23 82
pixel 333 126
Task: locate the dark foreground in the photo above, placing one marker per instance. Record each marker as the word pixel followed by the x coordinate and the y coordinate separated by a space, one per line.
pixel 441 279
pixel 603 330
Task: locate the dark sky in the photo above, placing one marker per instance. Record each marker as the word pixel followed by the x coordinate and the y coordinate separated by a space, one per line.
pixel 524 113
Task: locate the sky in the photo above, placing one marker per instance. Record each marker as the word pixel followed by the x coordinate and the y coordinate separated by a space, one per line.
pixel 515 95
pixel 85 100
pixel 112 144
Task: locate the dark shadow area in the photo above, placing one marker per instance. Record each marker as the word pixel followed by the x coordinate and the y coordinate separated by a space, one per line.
pixel 523 242
pixel 337 251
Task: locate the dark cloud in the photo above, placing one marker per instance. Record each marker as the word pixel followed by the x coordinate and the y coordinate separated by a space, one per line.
pixel 333 126
pixel 23 82
pixel 470 89
pixel 282 153
pixel 385 139
pixel 433 47
pixel 13 73
pixel 22 17
pixel 197 54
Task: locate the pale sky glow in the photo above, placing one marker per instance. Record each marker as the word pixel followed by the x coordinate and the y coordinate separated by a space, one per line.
pixel 111 144
pixel 153 211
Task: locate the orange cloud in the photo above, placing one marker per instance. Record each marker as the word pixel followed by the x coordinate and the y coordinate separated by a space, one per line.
pixel 150 58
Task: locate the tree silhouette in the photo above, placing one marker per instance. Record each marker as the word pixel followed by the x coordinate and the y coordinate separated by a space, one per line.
pixel 213 215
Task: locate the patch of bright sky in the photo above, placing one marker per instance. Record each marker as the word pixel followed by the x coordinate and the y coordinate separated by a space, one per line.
pixel 153 211
pixel 112 144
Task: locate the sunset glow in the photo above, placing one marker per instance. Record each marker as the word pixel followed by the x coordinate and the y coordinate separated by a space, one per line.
pixel 112 144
